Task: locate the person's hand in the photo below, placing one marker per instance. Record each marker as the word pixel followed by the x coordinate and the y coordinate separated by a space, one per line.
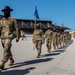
pixel 17 40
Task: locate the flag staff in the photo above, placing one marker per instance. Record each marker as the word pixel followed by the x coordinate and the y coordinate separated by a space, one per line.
pixel 36 16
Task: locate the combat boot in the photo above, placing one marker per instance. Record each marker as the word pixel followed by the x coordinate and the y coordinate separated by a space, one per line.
pixel 38 55
pixel 2 65
pixel 11 61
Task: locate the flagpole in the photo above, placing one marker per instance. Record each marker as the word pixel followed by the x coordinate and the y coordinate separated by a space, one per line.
pixel 35 23
pixel 34 27
pixel 36 16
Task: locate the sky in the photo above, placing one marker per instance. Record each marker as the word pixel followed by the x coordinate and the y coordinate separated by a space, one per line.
pixel 57 11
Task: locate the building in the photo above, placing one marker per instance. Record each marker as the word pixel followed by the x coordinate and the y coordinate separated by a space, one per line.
pixel 28 25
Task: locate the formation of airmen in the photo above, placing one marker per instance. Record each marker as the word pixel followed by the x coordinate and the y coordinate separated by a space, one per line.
pixel 56 36
pixel 9 28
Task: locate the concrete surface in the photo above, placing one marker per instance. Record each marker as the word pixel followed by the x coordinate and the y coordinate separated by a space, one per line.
pixel 58 62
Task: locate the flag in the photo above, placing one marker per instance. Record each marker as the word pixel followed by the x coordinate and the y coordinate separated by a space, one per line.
pixel 36 13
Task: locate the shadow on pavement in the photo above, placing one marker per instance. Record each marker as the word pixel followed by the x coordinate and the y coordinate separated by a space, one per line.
pixel 30 62
pixel 59 50
pixel 51 54
pixel 23 72
pixel 65 46
pixel 17 72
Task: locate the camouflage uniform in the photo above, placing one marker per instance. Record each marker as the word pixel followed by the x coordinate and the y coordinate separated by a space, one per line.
pixel 48 36
pixel 60 39
pixel 54 37
pixel 37 40
pixel 7 28
pixel 64 38
pixel 57 39
pixel 68 37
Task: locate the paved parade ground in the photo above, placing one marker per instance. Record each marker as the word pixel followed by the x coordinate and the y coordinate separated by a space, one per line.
pixel 58 62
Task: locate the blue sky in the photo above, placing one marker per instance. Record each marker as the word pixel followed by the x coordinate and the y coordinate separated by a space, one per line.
pixel 58 11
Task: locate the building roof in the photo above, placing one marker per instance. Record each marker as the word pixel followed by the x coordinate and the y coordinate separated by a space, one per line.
pixel 29 24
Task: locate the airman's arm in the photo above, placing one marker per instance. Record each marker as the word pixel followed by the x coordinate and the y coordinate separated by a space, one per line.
pixel 43 38
pixel 17 30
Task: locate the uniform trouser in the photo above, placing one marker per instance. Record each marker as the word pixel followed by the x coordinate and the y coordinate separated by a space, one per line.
pixel 57 42
pixel 60 42
pixel 6 43
pixel 38 45
pixel 48 43
pixel 54 43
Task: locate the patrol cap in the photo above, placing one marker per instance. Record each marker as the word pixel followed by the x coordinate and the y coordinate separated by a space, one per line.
pixel 7 8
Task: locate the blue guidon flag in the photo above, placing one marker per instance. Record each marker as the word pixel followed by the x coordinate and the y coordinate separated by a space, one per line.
pixel 36 13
